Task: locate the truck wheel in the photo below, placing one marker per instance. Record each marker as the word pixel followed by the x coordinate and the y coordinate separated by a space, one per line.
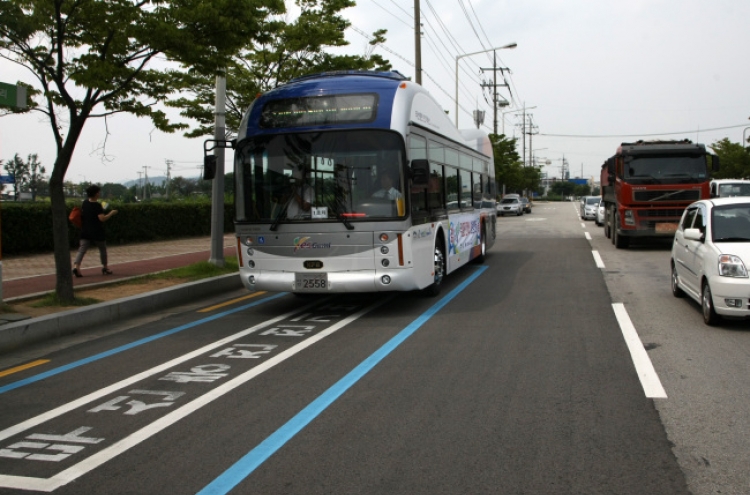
pixel 607 224
pixel 621 242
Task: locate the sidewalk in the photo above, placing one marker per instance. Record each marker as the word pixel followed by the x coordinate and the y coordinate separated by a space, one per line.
pixel 29 276
pixel 26 276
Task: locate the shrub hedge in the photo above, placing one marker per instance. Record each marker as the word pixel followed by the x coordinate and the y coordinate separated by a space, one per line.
pixel 27 227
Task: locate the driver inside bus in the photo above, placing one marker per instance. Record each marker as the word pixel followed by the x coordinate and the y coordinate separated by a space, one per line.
pixel 300 202
pixel 387 191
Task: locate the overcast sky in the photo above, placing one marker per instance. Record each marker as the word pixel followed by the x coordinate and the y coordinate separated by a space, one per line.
pixel 592 74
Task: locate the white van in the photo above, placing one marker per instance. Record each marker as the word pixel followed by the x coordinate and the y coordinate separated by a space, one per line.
pixel 725 188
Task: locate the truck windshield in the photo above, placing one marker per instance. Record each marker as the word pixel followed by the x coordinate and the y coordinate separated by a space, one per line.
pixel 320 176
pixel 663 169
pixel 738 189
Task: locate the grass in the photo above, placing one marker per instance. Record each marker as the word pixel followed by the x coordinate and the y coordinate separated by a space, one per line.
pixel 196 271
pixel 51 300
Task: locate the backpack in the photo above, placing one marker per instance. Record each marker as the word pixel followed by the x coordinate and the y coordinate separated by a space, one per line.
pixel 75 216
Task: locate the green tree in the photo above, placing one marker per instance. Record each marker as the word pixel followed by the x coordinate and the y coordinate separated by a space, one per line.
pixel 734 160
pixel 563 188
pixel 287 50
pixel 35 176
pixel 508 171
pixel 112 191
pixel 20 172
pixel 94 59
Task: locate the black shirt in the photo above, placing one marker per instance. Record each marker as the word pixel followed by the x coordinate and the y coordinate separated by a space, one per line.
pixel 92 228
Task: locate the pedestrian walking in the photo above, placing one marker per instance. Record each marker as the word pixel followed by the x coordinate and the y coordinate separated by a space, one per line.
pixel 92 229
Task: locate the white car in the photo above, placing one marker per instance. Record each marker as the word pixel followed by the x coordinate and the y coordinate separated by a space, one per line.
pixel 599 220
pixel 710 253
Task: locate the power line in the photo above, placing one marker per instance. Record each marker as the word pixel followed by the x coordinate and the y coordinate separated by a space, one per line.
pixel 479 22
pixel 394 15
pixel 594 136
pixel 468 18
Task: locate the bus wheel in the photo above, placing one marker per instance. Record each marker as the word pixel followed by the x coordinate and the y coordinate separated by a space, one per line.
pixel 439 259
pixel 483 243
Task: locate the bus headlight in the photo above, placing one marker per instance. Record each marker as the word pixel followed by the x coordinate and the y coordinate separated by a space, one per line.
pixel 251 279
pixel 384 250
pixel 385 263
pixel 250 264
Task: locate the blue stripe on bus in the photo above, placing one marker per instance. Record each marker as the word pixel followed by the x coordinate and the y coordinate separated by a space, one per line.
pixel 253 459
pixel 117 350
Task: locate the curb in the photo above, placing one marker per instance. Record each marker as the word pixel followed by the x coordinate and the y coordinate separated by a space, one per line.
pixel 19 334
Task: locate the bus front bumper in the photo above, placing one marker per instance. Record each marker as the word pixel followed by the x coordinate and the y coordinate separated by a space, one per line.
pixel 337 282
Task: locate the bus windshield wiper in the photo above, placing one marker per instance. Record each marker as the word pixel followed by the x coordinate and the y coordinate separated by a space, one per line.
pixel 282 214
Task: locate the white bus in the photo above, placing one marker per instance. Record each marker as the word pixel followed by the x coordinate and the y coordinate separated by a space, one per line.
pixel 357 182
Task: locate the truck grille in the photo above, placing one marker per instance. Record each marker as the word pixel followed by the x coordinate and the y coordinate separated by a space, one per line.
pixel 667 195
pixel 668 212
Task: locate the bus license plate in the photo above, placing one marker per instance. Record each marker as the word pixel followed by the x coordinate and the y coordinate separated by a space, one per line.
pixel 311 282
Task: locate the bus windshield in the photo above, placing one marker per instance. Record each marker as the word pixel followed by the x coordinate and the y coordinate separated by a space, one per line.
pixel 663 169
pixel 345 176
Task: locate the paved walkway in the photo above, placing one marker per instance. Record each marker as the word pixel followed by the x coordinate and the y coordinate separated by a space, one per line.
pixel 23 276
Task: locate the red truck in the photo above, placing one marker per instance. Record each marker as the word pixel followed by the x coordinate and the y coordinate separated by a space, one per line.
pixel 647 185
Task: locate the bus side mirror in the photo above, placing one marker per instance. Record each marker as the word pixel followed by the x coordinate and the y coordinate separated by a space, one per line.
pixel 210 161
pixel 420 172
pixel 209 167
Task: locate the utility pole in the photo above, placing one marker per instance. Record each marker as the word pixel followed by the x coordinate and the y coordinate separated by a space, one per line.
pixel 417 43
pixel 495 103
pixel 140 183
pixel 217 191
pixel 145 185
pixel 169 177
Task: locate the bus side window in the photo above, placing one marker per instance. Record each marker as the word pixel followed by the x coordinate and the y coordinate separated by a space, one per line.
pixel 452 192
pixel 435 197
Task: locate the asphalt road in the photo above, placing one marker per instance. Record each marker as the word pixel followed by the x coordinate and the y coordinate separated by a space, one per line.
pixel 517 379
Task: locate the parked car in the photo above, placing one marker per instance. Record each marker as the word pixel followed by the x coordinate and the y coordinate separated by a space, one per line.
pixel 526 205
pixel 599 220
pixel 589 205
pixel 710 253
pixel 509 205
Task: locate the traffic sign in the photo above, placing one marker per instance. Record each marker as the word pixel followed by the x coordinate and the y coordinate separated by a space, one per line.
pixel 7 179
pixel 12 95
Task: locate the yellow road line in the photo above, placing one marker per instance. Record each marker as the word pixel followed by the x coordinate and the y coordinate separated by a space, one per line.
pixel 206 310
pixel 23 367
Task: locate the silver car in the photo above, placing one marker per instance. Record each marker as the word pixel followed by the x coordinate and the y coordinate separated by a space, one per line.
pixel 589 205
pixel 510 206
pixel 599 220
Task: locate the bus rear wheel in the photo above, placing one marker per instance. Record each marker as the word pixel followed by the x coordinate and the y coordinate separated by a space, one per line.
pixel 439 267
pixel 483 245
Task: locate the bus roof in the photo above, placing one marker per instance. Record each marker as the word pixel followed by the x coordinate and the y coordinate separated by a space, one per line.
pixel 399 103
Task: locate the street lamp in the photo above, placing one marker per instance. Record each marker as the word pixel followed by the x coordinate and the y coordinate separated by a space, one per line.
pixel 509 46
